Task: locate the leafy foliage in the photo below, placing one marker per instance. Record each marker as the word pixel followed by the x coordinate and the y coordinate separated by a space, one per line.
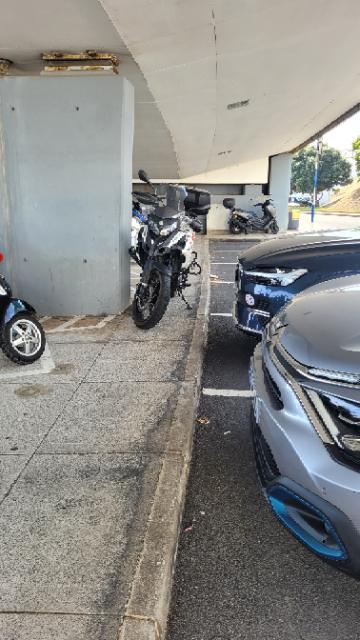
pixel 334 170
pixel 356 148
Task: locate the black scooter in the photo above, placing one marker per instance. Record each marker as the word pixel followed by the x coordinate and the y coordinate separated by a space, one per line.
pixel 22 337
pixel 244 222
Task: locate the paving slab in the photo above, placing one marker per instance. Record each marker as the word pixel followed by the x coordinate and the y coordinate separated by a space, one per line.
pixel 27 413
pixel 15 626
pixel 139 362
pixel 66 529
pixel 116 417
pixel 94 454
pixel 180 328
pixel 10 469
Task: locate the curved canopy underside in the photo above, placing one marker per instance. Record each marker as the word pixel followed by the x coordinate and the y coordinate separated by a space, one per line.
pixel 218 83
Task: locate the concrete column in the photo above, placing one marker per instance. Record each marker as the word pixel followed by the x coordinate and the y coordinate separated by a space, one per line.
pixel 279 185
pixel 65 191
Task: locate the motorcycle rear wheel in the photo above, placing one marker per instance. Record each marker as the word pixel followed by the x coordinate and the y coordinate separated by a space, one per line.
pixel 235 229
pixel 150 304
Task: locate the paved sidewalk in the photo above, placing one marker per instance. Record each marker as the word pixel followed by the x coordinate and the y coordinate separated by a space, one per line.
pixel 88 444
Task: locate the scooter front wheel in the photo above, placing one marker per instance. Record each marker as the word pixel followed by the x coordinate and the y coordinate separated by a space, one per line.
pixel 22 339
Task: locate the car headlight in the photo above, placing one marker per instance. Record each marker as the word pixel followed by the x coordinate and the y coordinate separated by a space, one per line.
pixel 282 277
pixel 345 415
pixel 169 229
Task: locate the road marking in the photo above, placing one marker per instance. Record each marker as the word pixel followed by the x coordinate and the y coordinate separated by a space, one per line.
pixel 46 366
pixel 66 325
pixel 103 322
pixel 222 281
pixel 223 315
pixel 231 263
pixel 229 393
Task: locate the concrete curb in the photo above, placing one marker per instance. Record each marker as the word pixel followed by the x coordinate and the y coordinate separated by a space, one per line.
pixel 148 606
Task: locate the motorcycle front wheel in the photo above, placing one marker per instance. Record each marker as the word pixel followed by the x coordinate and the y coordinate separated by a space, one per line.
pixel 150 303
pixel 275 227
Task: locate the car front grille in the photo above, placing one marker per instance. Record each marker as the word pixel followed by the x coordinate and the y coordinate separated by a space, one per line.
pixel 265 461
pixel 273 389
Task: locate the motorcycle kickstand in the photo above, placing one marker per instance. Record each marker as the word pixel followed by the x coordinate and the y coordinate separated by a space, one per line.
pixel 181 295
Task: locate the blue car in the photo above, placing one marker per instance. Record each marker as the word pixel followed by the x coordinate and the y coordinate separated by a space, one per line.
pixel 271 273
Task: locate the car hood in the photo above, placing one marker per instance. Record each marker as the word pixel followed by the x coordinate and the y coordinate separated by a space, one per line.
pixel 262 252
pixel 322 326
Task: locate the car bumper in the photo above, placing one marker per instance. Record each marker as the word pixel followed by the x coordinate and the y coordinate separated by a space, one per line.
pixel 312 494
pixel 252 321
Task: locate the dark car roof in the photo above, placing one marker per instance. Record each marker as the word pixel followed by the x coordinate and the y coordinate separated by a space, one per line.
pixel 323 328
pixel 291 242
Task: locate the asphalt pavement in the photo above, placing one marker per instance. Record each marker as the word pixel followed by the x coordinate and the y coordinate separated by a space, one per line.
pixel 239 574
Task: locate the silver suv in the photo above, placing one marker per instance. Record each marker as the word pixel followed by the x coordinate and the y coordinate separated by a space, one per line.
pixel 306 419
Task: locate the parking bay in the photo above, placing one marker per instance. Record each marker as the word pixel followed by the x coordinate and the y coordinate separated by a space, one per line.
pixel 239 574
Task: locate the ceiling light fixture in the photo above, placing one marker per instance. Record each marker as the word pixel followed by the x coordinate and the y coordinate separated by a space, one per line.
pixel 70 62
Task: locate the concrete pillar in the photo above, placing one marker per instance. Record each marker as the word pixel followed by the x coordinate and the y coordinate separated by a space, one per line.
pixel 65 191
pixel 279 185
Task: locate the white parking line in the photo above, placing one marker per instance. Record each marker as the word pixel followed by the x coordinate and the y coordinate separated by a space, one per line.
pixel 222 281
pixel 231 263
pixel 223 315
pixel 103 322
pixel 46 366
pixel 229 393
pixel 66 325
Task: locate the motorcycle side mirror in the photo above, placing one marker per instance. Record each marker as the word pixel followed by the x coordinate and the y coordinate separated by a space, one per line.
pixel 143 176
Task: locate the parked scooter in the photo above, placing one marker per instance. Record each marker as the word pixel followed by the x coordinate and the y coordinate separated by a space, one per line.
pixel 164 248
pixel 22 337
pixel 244 222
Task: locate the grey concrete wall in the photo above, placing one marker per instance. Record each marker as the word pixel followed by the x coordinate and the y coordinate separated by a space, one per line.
pixel 279 186
pixel 65 191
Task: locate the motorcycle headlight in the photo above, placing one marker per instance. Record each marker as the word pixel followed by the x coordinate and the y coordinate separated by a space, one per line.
pixel 168 229
pixel 153 227
pixel 279 277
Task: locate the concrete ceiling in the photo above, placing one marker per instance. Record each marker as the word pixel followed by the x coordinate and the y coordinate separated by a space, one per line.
pixel 295 61
pixel 27 28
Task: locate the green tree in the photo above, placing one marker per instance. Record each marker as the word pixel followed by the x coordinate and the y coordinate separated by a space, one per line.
pixel 356 148
pixel 334 169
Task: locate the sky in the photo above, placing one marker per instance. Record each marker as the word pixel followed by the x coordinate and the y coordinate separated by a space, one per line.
pixel 342 136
